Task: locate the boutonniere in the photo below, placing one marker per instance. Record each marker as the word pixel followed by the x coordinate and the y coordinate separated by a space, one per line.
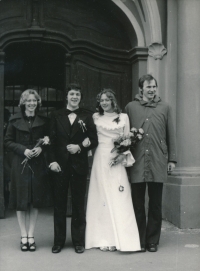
pixel 117 119
pixel 82 125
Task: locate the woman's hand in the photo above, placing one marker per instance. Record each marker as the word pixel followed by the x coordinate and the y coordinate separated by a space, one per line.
pixel 28 153
pixel 117 160
pixel 36 151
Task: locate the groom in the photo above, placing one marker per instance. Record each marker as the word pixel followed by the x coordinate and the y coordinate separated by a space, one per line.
pixel 72 135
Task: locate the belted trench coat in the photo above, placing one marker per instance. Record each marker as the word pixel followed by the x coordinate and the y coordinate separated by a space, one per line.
pixel 33 184
pixel 158 146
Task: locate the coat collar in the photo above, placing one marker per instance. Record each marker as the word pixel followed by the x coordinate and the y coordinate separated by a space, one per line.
pixel 22 125
pixel 153 103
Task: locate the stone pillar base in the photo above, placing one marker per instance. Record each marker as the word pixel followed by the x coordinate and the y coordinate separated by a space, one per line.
pixel 181 201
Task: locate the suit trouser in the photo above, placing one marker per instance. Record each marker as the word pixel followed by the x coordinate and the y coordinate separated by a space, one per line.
pixel 78 190
pixel 149 230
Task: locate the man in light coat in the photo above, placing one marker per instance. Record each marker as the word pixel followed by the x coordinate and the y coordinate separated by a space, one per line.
pixel 155 155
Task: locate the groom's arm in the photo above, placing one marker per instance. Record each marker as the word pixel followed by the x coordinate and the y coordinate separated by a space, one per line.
pixel 91 133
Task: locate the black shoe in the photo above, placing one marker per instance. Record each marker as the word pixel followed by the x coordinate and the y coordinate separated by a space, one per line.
pixel 56 249
pixel 152 247
pixel 32 246
pixel 24 246
pixel 79 249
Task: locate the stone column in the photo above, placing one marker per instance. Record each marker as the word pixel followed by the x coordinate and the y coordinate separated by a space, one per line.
pixel 156 54
pixel 183 195
pixel 2 62
pixel 139 57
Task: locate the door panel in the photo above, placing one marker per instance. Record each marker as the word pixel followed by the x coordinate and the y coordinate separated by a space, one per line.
pixel 93 76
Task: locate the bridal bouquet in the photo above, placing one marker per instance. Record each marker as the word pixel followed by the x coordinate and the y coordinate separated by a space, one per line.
pixel 40 142
pixel 122 144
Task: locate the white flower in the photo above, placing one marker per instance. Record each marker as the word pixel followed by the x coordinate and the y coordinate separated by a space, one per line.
pixel 133 130
pixel 126 142
pixel 141 131
pixel 82 124
pixel 139 136
pixel 46 140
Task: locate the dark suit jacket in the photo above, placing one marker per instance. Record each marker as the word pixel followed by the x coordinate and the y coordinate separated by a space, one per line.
pixel 63 134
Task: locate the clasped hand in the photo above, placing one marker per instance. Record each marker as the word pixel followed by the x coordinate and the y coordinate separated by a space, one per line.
pixel 73 148
pixel 33 153
pixel 117 160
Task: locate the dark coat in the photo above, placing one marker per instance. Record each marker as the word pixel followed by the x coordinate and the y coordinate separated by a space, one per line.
pixel 157 147
pixel 62 134
pixel 27 187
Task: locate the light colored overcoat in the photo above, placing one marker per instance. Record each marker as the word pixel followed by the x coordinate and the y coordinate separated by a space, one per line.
pixel 158 146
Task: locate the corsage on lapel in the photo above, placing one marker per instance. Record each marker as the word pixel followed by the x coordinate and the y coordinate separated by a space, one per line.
pixel 82 125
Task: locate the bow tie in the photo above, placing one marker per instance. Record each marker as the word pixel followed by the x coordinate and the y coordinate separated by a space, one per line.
pixel 75 111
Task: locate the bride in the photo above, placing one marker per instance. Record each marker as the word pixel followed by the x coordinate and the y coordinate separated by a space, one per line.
pixel 110 217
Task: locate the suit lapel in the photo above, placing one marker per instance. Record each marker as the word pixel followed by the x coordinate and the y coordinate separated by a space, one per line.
pixel 75 126
pixel 65 123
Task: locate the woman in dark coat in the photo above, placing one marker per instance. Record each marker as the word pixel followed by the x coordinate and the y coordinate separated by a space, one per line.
pixel 30 186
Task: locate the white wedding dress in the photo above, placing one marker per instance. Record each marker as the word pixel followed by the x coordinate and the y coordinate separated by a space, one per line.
pixel 110 215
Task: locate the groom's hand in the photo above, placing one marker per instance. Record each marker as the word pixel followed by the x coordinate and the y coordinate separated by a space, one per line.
pixel 73 148
pixel 55 167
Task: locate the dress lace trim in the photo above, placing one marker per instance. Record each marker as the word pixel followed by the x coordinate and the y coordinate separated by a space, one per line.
pixel 106 121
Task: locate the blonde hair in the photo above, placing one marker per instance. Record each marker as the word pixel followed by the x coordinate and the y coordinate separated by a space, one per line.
pixel 24 97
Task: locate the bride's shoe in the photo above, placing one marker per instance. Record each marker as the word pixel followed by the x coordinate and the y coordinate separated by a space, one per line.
pixel 104 249
pixel 112 249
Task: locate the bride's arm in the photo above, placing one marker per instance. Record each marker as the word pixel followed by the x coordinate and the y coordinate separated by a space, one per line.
pixel 129 160
pixel 127 125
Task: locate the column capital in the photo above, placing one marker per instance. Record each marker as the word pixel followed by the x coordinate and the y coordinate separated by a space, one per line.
pixel 138 54
pixel 157 50
pixel 2 57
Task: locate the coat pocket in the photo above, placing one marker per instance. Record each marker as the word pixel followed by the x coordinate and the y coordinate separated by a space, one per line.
pixel 164 148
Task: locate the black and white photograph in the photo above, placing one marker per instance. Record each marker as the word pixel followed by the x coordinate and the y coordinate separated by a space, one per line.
pixel 99 135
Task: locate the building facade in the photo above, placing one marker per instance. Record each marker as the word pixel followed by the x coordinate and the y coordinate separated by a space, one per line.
pixel 45 44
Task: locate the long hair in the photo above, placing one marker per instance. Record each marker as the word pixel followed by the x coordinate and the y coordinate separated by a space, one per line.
pixel 112 96
pixel 24 97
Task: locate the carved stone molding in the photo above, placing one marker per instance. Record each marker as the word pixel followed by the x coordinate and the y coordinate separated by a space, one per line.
pixel 2 58
pixel 186 172
pixel 138 54
pixel 157 50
